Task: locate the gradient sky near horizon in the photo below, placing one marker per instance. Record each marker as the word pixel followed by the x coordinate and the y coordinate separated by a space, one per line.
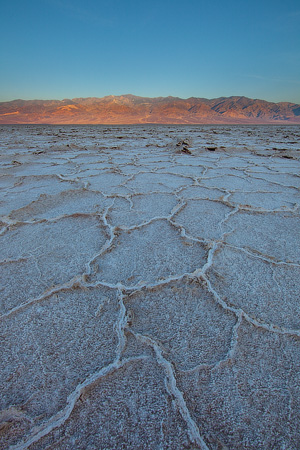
pixel 55 49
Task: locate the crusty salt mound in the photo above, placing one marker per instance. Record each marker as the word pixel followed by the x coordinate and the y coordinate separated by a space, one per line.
pixel 150 287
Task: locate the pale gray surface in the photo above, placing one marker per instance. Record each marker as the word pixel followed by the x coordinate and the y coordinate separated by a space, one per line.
pixel 149 297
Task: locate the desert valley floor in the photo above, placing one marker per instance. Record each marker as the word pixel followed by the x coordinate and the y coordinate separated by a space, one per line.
pixel 150 280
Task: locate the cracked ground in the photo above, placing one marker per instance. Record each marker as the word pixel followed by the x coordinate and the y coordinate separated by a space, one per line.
pixel 150 280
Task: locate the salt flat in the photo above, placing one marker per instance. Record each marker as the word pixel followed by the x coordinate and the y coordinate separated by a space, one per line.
pixel 150 280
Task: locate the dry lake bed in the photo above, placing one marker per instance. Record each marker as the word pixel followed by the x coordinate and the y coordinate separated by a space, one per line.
pixel 150 280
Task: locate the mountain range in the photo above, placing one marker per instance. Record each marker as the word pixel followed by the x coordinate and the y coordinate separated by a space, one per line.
pixel 130 109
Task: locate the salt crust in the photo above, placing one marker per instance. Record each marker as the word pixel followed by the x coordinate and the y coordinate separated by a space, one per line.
pixel 150 296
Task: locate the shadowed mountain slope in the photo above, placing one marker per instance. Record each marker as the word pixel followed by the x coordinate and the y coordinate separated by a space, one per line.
pixel 130 109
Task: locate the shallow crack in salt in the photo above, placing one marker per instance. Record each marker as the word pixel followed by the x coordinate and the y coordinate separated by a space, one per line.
pixel 267 258
pixel 248 318
pixel 74 282
pixel 229 355
pixel 57 420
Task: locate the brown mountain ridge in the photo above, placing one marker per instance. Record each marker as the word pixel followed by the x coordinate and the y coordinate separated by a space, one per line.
pixel 130 109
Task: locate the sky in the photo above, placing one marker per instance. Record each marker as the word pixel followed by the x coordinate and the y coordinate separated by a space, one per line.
pixel 56 49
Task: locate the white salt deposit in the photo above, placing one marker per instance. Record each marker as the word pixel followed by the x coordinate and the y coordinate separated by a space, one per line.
pixel 150 280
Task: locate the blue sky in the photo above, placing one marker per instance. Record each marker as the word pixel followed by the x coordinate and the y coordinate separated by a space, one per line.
pixel 55 49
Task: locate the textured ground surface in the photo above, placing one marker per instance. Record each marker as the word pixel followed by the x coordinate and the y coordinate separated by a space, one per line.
pixel 150 287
